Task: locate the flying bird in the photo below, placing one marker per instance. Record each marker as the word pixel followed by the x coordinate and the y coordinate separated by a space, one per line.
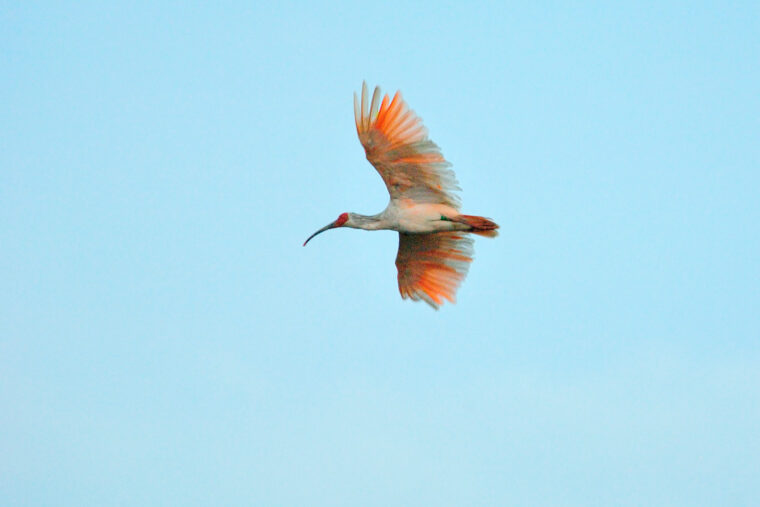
pixel 435 249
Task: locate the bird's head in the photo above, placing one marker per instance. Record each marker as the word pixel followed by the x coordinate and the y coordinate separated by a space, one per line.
pixel 339 222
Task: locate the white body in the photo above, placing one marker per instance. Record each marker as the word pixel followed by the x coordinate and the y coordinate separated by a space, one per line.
pixel 407 216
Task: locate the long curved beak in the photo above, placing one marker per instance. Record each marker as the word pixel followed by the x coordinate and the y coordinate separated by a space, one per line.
pixel 327 227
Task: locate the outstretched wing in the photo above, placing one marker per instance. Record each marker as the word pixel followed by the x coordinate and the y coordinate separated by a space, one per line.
pixel 431 266
pixel 396 143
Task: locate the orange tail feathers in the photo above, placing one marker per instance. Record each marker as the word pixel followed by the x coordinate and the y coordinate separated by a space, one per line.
pixel 480 225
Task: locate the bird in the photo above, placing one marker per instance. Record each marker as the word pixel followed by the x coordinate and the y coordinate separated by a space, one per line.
pixel 435 247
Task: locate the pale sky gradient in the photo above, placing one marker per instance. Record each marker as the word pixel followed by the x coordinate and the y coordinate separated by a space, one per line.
pixel 166 340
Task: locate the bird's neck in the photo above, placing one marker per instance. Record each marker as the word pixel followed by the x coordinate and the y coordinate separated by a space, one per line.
pixel 367 222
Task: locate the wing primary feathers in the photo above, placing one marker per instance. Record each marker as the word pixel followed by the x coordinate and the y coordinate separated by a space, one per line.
pixel 396 142
pixel 393 110
pixel 393 129
pixel 374 105
pixel 365 123
pixel 382 113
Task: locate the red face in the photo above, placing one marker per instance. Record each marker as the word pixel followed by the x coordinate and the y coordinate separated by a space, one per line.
pixel 342 219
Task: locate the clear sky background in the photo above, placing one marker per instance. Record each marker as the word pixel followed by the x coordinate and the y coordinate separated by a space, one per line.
pixel 166 340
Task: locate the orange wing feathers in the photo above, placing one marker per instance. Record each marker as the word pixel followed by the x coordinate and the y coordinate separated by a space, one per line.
pixel 396 143
pixel 431 266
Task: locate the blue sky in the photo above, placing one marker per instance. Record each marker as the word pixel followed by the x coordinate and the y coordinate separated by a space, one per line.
pixel 166 340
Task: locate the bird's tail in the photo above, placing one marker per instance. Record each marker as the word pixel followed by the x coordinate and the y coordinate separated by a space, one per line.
pixel 480 225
